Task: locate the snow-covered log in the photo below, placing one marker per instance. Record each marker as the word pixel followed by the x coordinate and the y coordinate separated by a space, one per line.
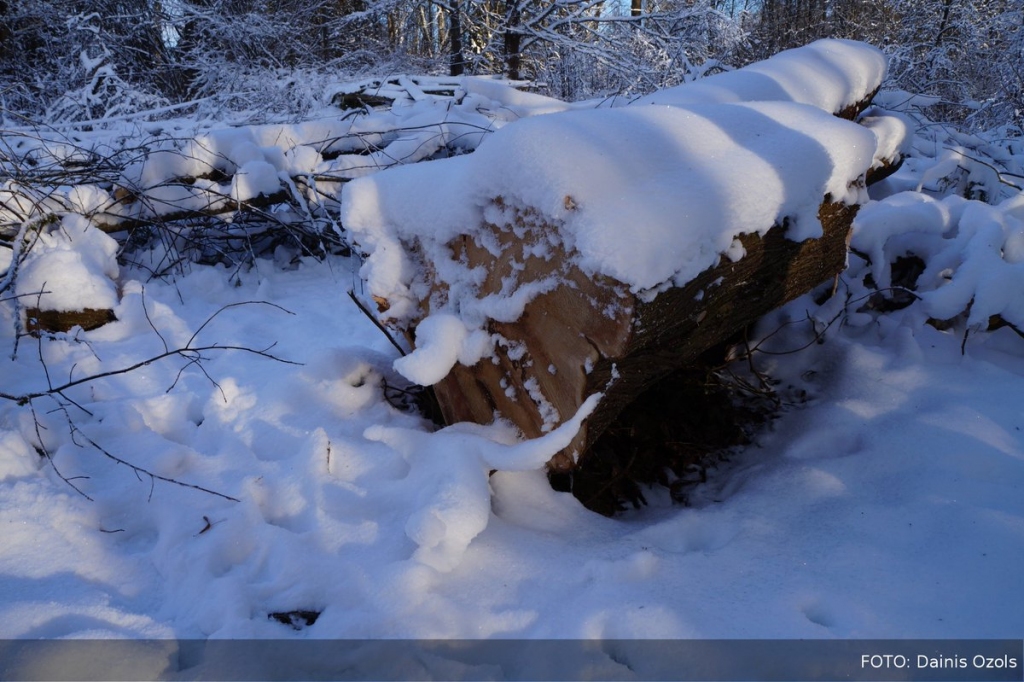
pixel 66 278
pixel 838 76
pixel 594 252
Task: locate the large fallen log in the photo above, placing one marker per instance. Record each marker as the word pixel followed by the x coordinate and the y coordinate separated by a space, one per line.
pixel 596 252
pixel 592 335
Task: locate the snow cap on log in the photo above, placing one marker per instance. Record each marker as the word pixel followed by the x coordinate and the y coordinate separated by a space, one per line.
pixel 72 266
pixel 830 74
pixel 648 196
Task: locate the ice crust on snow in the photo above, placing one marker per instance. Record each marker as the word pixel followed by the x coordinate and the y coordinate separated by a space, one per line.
pixel 648 195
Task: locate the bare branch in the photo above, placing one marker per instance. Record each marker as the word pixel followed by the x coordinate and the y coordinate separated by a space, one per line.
pixel 189 352
pixel 373 318
pixel 154 476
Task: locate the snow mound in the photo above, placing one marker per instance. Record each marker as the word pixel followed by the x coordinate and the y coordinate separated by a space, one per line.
pixel 448 478
pixel 830 74
pixel 974 252
pixel 893 133
pixel 70 268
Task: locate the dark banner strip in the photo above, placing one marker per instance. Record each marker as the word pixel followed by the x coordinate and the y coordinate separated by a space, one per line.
pixel 526 660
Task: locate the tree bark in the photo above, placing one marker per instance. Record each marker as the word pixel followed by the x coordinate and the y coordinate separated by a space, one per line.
pixel 513 39
pixel 458 60
pixel 566 346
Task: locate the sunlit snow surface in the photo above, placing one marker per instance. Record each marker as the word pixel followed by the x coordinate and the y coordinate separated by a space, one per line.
pixel 886 501
pixel 888 506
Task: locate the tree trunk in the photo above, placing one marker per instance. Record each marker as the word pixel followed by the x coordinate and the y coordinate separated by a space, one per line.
pixel 5 32
pixel 944 22
pixel 513 39
pixel 458 60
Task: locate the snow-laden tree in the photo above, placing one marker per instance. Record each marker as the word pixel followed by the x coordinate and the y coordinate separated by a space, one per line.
pixel 966 53
pixel 969 53
pixel 586 47
pixel 82 60
pixel 87 59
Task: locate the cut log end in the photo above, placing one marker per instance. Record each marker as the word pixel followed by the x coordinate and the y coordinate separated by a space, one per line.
pixel 52 321
pixel 591 335
pixel 851 112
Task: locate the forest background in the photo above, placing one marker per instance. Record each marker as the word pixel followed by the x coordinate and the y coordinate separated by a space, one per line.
pixel 85 60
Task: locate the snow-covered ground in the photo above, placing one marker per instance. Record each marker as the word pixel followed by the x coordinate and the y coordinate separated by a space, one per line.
pixel 887 501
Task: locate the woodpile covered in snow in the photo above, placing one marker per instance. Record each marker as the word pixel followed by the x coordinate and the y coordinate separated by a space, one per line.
pixel 206 194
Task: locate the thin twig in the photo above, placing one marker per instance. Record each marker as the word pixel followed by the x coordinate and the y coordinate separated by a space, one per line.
pixel 376 322
pixel 183 352
pixel 234 305
pixel 154 476
pixel 145 311
pixel 999 173
pixel 43 452
pixel 191 353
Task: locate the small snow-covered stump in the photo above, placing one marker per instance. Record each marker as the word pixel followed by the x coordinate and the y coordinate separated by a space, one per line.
pixel 67 277
pixel 595 252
